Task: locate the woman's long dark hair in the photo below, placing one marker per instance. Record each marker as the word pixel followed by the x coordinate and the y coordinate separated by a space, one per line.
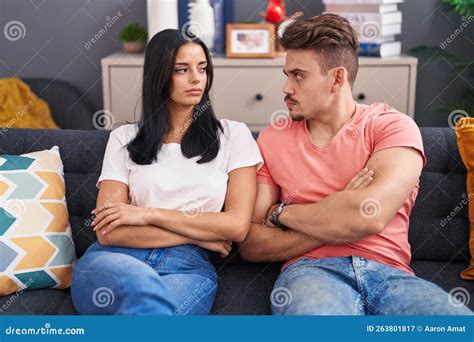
pixel 202 134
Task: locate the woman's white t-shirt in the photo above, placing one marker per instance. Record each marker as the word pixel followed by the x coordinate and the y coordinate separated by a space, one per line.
pixel 174 181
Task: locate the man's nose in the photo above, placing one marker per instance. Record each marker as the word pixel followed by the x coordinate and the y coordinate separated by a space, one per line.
pixel 288 88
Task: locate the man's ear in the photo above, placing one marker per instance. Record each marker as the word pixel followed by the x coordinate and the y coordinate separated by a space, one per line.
pixel 338 77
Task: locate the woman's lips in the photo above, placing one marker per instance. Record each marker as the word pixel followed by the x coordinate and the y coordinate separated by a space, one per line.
pixel 194 92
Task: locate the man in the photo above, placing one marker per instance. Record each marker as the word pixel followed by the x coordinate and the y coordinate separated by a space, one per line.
pixel 347 250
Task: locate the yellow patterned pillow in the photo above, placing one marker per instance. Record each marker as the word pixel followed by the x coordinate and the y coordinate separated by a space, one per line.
pixel 36 246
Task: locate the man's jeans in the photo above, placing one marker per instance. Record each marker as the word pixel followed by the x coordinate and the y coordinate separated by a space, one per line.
pixel 128 281
pixel 357 286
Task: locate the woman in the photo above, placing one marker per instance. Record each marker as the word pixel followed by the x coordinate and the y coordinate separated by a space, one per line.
pixel 173 188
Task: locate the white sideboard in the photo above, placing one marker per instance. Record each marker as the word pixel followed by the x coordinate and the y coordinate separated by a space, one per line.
pixel 251 90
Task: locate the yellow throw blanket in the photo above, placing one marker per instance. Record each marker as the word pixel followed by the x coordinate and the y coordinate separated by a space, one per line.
pixel 21 108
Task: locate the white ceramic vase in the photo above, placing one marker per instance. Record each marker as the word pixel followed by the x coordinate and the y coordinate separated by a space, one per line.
pixel 162 14
pixel 202 22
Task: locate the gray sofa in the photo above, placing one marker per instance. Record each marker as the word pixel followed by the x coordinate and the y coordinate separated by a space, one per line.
pixel 440 252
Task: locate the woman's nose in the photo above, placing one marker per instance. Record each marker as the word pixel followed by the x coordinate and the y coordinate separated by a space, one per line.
pixel 195 77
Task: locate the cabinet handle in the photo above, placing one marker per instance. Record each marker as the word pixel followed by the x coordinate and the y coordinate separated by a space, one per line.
pixel 259 97
pixel 361 97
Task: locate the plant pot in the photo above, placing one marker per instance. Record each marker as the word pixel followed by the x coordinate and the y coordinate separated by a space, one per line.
pixel 134 46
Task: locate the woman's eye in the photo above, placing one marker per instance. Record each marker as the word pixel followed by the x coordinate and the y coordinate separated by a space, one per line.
pixel 202 69
pixel 181 71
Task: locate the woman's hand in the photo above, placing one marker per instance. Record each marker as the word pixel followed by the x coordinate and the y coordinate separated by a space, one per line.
pixel 113 215
pixel 221 247
pixel 360 180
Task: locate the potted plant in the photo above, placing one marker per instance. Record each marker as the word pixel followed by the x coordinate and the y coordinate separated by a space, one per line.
pixel 133 37
pixel 458 64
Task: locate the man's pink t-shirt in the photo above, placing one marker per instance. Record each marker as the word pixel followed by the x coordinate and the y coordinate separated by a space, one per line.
pixel 307 174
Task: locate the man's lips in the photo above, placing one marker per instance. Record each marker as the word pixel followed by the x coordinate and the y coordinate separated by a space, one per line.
pixel 290 102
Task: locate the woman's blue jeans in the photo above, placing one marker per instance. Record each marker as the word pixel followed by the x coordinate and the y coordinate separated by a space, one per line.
pixel 129 281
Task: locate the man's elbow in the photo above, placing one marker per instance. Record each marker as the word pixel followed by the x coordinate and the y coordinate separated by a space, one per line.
pixel 252 248
pixel 367 219
pixel 250 251
pixel 250 254
pixel 375 226
pixel 361 228
pixel 253 252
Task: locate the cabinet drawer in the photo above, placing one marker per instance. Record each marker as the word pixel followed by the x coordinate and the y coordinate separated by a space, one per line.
pixel 383 84
pixel 248 94
pixel 125 93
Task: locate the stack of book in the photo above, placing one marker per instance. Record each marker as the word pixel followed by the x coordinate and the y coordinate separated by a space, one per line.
pixel 376 22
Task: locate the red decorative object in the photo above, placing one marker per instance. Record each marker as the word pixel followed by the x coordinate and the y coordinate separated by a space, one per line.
pixel 276 11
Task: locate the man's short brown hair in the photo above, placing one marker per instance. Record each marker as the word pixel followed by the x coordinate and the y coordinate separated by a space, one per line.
pixel 331 36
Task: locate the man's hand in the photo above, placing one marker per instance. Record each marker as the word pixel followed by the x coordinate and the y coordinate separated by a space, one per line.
pixel 360 180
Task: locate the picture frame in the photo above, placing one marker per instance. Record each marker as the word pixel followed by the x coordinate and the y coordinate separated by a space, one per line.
pixel 250 41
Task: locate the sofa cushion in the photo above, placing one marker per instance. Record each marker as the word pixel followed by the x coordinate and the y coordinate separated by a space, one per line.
pixel 36 246
pixel 446 275
pixel 442 192
pixel 245 289
pixel 37 302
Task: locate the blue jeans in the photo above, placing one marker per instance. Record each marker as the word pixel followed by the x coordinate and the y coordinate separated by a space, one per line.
pixel 129 281
pixel 357 286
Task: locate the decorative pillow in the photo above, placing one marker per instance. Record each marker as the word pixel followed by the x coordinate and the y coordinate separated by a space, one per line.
pixel 465 139
pixel 21 107
pixel 36 246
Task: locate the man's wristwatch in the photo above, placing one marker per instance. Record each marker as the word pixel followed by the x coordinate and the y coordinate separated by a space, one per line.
pixel 273 218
